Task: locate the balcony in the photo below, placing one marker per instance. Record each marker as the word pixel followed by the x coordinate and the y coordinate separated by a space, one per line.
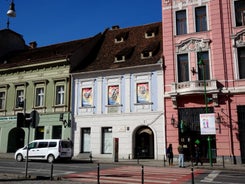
pixel 194 87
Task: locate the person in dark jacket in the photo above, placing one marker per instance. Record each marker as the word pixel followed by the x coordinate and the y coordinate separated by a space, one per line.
pixel 197 155
pixel 170 154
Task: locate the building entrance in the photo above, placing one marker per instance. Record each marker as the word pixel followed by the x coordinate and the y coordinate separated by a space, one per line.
pixel 189 134
pixel 144 143
pixel 241 125
pixel 16 139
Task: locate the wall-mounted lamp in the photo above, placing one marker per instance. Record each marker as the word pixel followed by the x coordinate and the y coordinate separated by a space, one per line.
pixel 173 122
pixel 193 71
pixel 65 123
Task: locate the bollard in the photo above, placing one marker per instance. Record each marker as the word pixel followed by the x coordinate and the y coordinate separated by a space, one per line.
pixel 51 172
pixel 192 176
pixel 90 158
pixel 164 161
pixel 98 173
pixel 142 174
pixel 223 161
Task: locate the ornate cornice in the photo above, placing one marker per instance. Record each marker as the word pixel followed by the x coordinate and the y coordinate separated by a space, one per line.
pixel 193 45
pixel 239 39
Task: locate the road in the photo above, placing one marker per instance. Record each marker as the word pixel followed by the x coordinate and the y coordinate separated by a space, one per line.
pixel 83 172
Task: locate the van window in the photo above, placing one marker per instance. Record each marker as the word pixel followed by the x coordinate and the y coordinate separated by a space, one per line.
pixel 65 144
pixel 42 144
pixel 52 144
pixel 32 145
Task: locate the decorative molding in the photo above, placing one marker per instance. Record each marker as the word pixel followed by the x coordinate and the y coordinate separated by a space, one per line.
pixel 193 45
pixel 239 39
pixel 179 4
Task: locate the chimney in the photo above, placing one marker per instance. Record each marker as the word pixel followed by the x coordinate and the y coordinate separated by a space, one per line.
pixel 115 27
pixel 33 45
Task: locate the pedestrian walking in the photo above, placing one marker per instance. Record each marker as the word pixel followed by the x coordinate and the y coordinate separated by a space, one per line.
pixel 197 155
pixel 181 155
pixel 170 154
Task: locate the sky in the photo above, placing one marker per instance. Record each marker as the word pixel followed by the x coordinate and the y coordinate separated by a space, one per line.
pixel 55 21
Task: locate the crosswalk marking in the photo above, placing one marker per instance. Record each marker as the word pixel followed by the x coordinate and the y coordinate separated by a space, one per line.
pixel 133 175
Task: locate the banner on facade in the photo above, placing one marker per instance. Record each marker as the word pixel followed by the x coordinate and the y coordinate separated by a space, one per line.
pixel 207 124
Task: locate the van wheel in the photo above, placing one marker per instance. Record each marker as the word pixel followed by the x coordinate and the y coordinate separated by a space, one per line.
pixel 19 158
pixel 50 158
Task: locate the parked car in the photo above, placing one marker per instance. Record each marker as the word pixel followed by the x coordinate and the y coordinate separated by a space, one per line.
pixel 46 149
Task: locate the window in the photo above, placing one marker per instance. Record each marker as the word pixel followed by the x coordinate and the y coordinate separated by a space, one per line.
pixel 32 145
pixel 87 97
pixel 39 97
pixel 201 19
pixel 85 140
pixel 19 98
pixel 107 140
pixel 149 34
pixel 57 132
pixel 240 12
pixel 2 100
pixel 203 68
pixel 181 27
pixel 42 144
pixel 145 55
pixel 113 95
pixel 183 67
pixel 60 95
pixel 52 144
pixel 241 62
pixel 119 58
pixel 143 93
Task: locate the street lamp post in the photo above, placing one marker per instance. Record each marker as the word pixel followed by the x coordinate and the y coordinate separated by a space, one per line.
pixel 201 63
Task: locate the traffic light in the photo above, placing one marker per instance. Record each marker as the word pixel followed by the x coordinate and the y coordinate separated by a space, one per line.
pixel 34 119
pixel 20 120
pixel 23 120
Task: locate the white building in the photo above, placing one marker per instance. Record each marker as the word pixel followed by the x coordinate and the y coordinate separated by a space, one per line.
pixel 118 95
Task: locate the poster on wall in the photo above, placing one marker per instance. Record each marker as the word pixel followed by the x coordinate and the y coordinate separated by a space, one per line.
pixel 207 124
pixel 87 98
pixel 143 93
pixel 113 95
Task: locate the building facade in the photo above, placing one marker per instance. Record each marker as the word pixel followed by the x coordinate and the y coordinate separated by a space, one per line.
pixel 118 102
pixel 203 48
pixel 33 78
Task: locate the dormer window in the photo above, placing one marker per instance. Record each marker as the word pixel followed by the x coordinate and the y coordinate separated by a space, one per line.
pixel 121 37
pixel 124 54
pixel 150 50
pixel 145 55
pixel 119 58
pixel 151 33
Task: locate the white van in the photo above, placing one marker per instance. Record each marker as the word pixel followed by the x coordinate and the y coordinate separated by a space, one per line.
pixel 46 149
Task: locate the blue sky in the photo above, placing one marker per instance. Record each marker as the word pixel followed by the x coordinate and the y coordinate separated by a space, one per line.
pixel 54 21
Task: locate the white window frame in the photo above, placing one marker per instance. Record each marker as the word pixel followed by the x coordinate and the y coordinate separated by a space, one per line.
pixel 19 97
pixel 39 96
pixel 3 100
pixel 59 94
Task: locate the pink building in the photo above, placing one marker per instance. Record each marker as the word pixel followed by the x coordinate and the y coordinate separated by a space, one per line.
pixel 204 55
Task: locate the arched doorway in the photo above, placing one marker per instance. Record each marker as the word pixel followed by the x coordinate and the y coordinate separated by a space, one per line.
pixel 144 143
pixel 16 139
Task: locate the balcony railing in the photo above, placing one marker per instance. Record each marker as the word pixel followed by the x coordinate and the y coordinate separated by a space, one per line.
pixel 192 87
